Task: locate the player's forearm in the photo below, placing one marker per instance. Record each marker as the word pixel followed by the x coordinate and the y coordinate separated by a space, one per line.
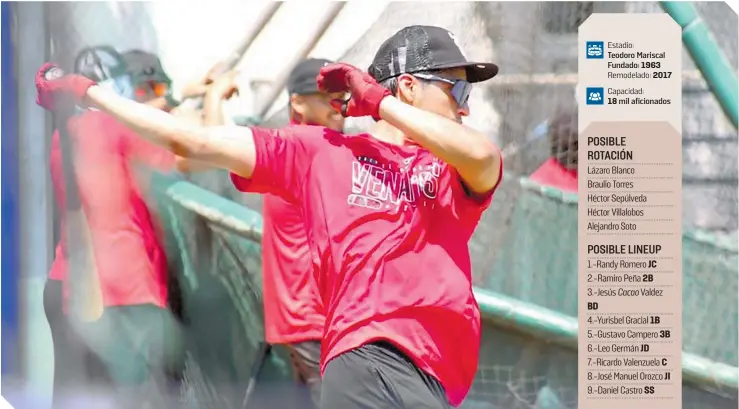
pixel 186 165
pixel 160 103
pixel 213 110
pixel 212 116
pixel 471 153
pixel 150 123
pixel 230 148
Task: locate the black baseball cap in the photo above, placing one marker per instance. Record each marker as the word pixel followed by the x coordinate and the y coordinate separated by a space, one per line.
pixel 425 48
pixel 144 67
pixel 302 79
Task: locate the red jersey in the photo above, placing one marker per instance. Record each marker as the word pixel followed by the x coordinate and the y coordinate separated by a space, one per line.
pixel 292 305
pixel 551 173
pixel 130 260
pixel 388 228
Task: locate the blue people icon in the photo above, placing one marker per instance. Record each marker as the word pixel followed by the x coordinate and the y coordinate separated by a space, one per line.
pixel 594 50
pixel 594 95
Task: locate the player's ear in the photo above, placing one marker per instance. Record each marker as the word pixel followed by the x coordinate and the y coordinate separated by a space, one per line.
pixel 407 88
pixel 298 104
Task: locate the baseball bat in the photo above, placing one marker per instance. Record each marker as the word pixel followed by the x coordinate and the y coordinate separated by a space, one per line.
pixel 228 63
pixel 263 351
pixel 513 148
pixel 279 83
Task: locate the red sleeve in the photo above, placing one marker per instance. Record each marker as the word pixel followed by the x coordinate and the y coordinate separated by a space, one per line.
pixel 283 157
pixel 481 202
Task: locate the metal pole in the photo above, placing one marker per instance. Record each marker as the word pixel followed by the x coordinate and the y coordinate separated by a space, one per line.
pixel 10 278
pixel 510 314
pixel 263 351
pixel 36 198
pixel 234 58
pixel 707 55
pixel 281 79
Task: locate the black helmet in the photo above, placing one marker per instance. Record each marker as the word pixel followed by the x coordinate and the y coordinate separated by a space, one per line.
pixel 144 67
pixel 105 65
pixel 100 63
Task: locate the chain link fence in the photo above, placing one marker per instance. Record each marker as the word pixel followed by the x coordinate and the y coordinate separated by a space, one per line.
pixel 534 44
pixel 525 246
pixel 517 369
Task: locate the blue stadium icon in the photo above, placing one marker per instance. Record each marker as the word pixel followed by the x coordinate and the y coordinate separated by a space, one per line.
pixel 594 96
pixel 594 50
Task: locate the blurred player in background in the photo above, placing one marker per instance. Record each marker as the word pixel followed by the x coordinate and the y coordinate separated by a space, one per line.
pixel 293 313
pixel 560 170
pixel 388 214
pixel 119 347
pixel 309 105
pixel 154 87
pixel 76 367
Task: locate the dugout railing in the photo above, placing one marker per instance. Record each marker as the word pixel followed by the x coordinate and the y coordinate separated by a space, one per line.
pixel 529 343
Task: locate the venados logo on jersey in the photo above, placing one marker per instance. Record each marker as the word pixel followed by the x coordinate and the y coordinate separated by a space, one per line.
pixel 389 187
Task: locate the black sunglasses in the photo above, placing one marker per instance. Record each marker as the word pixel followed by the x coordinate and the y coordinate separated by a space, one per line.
pixel 460 88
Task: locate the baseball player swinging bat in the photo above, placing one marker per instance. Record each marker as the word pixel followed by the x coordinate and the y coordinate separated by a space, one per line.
pixel 85 296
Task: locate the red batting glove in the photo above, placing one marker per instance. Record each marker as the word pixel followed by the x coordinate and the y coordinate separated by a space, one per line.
pixel 366 93
pixel 53 88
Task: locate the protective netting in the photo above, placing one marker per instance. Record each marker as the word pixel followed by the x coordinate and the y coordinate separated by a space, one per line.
pixel 525 246
pixel 533 43
pixel 516 369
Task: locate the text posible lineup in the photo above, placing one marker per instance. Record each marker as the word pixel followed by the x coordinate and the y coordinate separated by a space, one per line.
pixel 629 224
